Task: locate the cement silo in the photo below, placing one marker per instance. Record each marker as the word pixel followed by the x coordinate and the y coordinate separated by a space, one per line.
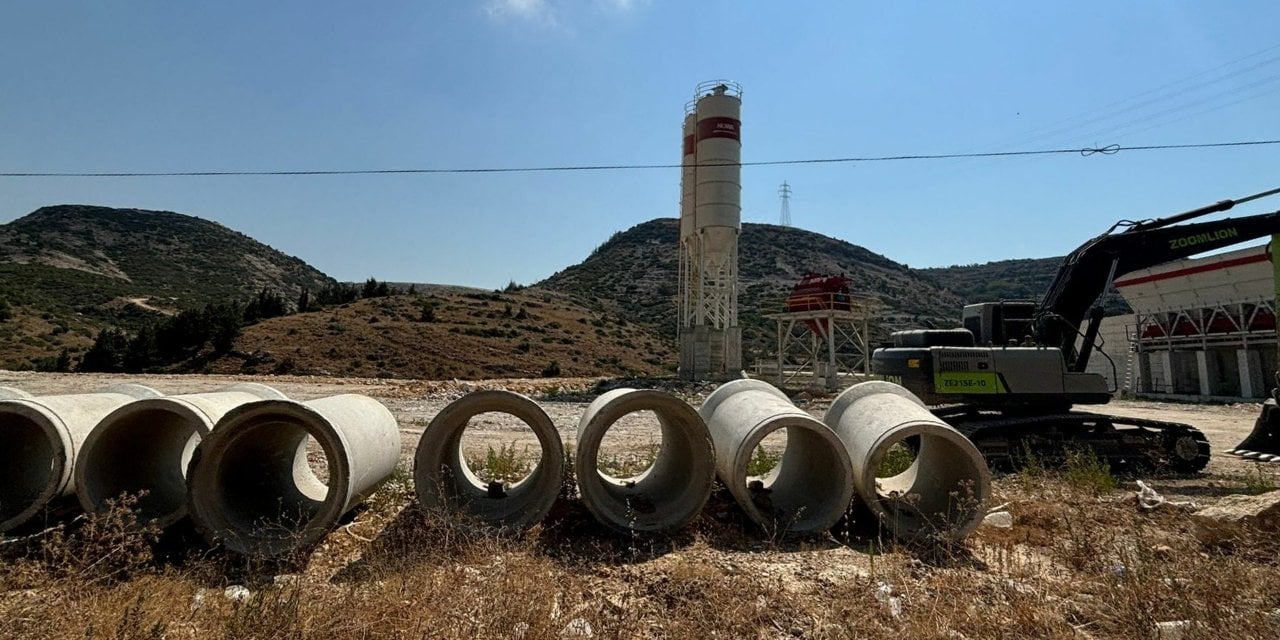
pixel 710 339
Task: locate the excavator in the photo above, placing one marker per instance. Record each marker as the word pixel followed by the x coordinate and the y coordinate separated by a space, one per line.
pixel 1009 378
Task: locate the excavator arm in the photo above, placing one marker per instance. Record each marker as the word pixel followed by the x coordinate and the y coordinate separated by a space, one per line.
pixel 1089 270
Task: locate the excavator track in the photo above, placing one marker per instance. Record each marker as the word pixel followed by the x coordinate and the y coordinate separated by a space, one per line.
pixel 1009 441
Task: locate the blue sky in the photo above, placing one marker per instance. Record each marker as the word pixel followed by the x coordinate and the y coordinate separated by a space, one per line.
pixel 240 85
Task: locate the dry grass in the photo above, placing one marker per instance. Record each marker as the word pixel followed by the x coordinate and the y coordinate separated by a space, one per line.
pixel 1077 563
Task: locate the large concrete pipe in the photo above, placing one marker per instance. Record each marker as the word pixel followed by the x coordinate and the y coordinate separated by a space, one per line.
pixel 942 493
pixel 250 485
pixel 9 393
pixel 444 481
pixel 40 442
pixel 145 446
pixel 671 492
pixel 810 488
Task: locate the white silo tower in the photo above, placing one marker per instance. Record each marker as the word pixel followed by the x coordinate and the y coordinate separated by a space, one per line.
pixel 710 339
pixel 689 274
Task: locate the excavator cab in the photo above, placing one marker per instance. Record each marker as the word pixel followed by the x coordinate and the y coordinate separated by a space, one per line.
pixel 999 324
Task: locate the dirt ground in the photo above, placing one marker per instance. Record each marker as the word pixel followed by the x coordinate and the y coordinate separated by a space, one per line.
pixel 1075 564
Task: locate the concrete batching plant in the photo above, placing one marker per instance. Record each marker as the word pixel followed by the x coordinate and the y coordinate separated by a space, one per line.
pixel 710 220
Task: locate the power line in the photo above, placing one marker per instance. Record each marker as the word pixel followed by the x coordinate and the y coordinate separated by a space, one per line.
pixel 1087 151
pixel 1091 124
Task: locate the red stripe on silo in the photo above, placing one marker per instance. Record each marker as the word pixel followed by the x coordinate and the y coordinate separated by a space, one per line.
pixel 719 127
pixel 1193 270
pixel 688 145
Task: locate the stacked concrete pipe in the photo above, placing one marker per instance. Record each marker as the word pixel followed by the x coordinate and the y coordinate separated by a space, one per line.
pixel 143 449
pixel 9 393
pixel 670 493
pixel 40 442
pixel 942 494
pixel 251 488
pixel 444 482
pixel 810 488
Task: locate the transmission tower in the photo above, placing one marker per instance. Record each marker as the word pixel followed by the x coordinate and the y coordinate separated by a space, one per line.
pixel 784 192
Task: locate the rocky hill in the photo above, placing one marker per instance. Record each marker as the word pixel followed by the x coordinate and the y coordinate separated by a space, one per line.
pixel 68 270
pixel 1025 279
pixel 634 275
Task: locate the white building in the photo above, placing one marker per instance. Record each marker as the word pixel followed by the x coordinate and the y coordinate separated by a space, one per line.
pixel 1203 328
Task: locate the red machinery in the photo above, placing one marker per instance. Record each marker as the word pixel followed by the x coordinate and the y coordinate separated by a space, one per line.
pixel 816 292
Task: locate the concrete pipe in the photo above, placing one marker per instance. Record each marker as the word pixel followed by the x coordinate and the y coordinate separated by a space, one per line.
pixel 9 393
pixel 251 487
pixel 810 488
pixel 445 482
pixel 671 492
pixel 147 445
pixel 942 493
pixel 40 442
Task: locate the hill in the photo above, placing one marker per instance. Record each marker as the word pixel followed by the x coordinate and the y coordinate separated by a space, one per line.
pixel 1024 279
pixel 528 333
pixel 634 274
pixel 68 270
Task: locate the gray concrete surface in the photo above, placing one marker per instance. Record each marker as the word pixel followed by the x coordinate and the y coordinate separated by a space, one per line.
pixel 40 441
pixel 251 487
pixel 945 490
pixel 145 446
pixel 810 488
pixel 667 495
pixel 443 480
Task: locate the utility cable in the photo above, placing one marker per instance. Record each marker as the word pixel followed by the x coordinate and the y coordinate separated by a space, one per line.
pixel 1088 151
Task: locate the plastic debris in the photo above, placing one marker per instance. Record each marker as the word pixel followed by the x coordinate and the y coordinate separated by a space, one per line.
pixel 1148 499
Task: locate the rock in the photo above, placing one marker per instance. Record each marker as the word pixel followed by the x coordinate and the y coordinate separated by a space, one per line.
pixel 1233 516
pixel 1173 629
pixel 577 628
pixel 999 520
pixel 237 593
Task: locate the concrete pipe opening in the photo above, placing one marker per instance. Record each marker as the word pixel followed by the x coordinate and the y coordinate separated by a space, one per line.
pixel 809 488
pixel 40 439
pixel 672 490
pixel 275 476
pixel 144 449
pixel 941 493
pixel 31 460
pixel 444 481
